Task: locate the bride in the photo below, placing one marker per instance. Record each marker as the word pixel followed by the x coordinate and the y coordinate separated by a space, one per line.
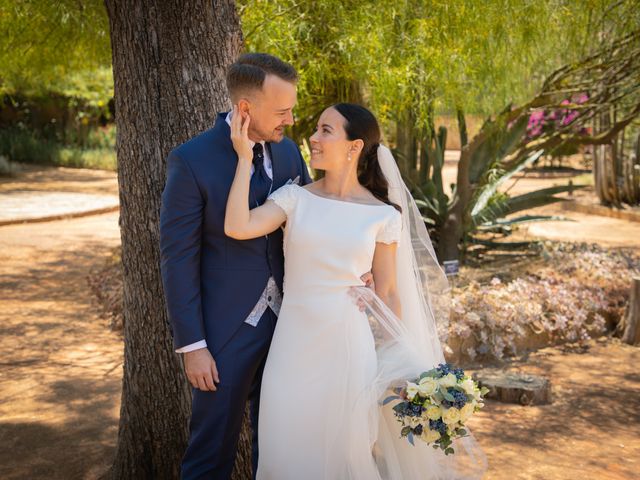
pixel 338 346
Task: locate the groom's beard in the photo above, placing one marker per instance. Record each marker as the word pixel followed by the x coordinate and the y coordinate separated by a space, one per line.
pixel 275 136
pixel 278 135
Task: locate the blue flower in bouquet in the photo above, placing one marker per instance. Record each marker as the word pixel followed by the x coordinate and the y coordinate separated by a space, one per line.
pixel 459 399
pixel 438 426
pixel 444 369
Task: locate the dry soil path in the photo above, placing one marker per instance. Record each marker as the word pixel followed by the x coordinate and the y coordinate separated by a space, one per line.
pixel 60 366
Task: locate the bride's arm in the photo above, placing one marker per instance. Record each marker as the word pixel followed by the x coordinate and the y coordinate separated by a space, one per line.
pixel 384 276
pixel 240 222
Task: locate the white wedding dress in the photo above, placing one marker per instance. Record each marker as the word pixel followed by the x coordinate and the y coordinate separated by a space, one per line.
pixel 330 363
pixel 322 354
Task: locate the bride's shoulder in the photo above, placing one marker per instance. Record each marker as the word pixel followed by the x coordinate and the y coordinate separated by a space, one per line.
pixel 286 196
pixel 309 187
pixel 392 215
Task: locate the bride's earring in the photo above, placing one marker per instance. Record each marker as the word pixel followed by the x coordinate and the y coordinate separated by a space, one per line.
pixel 349 157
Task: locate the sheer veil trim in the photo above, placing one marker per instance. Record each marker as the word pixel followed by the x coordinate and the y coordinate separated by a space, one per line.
pixel 405 348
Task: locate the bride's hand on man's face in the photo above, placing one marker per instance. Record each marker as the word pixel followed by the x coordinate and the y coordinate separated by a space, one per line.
pixel 240 135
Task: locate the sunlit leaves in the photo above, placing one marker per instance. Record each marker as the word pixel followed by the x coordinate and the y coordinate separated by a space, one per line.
pixel 425 55
pixel 60 46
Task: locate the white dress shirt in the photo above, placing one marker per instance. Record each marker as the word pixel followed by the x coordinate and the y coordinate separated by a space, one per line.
pixel 271 296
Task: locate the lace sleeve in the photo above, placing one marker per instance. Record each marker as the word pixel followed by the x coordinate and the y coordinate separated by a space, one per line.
pixel 285 197
pixel 390 231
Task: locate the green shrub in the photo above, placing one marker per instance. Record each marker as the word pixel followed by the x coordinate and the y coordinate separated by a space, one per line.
pixel 24 146
pixel 96 158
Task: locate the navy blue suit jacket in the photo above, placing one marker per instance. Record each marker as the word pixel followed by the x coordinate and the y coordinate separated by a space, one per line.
pixel 211 281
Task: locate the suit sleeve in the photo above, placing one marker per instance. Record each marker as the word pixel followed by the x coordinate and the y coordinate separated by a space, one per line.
pixel 180 243
pixel 305 178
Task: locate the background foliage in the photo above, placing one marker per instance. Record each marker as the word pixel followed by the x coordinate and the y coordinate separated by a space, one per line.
pixel 426 56
pixel 58 47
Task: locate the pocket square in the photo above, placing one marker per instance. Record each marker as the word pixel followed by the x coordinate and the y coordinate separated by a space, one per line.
pixel 295 181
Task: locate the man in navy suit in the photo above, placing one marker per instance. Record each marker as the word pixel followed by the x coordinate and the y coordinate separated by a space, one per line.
pixel 223 295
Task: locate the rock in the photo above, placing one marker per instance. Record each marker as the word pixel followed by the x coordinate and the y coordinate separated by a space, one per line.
pixel 512 387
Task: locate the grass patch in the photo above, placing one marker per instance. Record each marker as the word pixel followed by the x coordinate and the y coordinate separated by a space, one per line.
pixel 95 158
pixel 23 146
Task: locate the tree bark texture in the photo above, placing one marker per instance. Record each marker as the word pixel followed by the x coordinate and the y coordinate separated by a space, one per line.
pixel 616 166
pixel 169 59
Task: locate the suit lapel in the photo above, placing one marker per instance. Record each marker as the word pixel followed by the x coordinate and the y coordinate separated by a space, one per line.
pixel 279 164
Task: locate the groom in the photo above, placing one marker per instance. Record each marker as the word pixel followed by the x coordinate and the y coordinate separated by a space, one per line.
pixel 223 295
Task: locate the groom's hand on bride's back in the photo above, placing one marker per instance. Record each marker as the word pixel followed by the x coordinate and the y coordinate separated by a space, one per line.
pixel 201 369
pixel 367 279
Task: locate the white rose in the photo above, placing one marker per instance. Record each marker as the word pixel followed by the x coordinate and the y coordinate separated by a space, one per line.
pixel 430 436
pixel 468 386
pixel 414 421
pixel 427 386
pixel 412 390
pixel 451 416
pixel 466 412
pixel 433 412
pixel 449 380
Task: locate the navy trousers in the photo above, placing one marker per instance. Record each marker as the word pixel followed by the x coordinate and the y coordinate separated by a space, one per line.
pixel 216 417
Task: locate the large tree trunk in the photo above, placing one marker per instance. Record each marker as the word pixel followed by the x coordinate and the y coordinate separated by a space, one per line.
pixel 169 59
pixel 452 231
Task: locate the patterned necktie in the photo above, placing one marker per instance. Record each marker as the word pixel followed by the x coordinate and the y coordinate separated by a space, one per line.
pixel 260 181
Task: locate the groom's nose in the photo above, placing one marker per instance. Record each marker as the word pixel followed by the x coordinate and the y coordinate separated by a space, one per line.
pixel 288 118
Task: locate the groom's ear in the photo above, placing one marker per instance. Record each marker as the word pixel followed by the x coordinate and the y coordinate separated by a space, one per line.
pixel 243 107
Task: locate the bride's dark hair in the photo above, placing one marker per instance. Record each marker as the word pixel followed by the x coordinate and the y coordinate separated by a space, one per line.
pixel 362 124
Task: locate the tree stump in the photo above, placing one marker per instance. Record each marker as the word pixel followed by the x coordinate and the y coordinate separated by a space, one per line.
pixel 509 387
pixel 630 324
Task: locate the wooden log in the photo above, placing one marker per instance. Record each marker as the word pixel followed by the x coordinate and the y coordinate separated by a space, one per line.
pixel 511 387
pixel 630 324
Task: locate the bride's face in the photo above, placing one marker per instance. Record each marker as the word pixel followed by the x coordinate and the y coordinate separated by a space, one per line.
pixel 329 144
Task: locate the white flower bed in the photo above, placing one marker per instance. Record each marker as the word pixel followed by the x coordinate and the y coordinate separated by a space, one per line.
pixel 571 298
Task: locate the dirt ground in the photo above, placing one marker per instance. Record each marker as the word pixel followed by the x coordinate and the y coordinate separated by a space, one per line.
pixel 590 431
pixel 61 371
pixel 61 368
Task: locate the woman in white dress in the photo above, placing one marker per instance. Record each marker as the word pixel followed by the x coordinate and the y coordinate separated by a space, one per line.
pixel 327 364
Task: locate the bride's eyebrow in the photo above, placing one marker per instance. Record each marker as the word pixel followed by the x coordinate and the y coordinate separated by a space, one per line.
pixel 327 125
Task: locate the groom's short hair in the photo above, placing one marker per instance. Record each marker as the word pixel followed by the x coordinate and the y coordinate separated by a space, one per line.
pixel 249 71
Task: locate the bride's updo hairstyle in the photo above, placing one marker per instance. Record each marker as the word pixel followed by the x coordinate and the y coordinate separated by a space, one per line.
pixel 361 124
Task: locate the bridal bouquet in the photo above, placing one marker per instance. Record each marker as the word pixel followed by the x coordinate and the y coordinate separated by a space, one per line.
pixel 435 406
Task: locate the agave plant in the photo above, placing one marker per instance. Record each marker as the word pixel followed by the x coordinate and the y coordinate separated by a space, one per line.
pixel 488 208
